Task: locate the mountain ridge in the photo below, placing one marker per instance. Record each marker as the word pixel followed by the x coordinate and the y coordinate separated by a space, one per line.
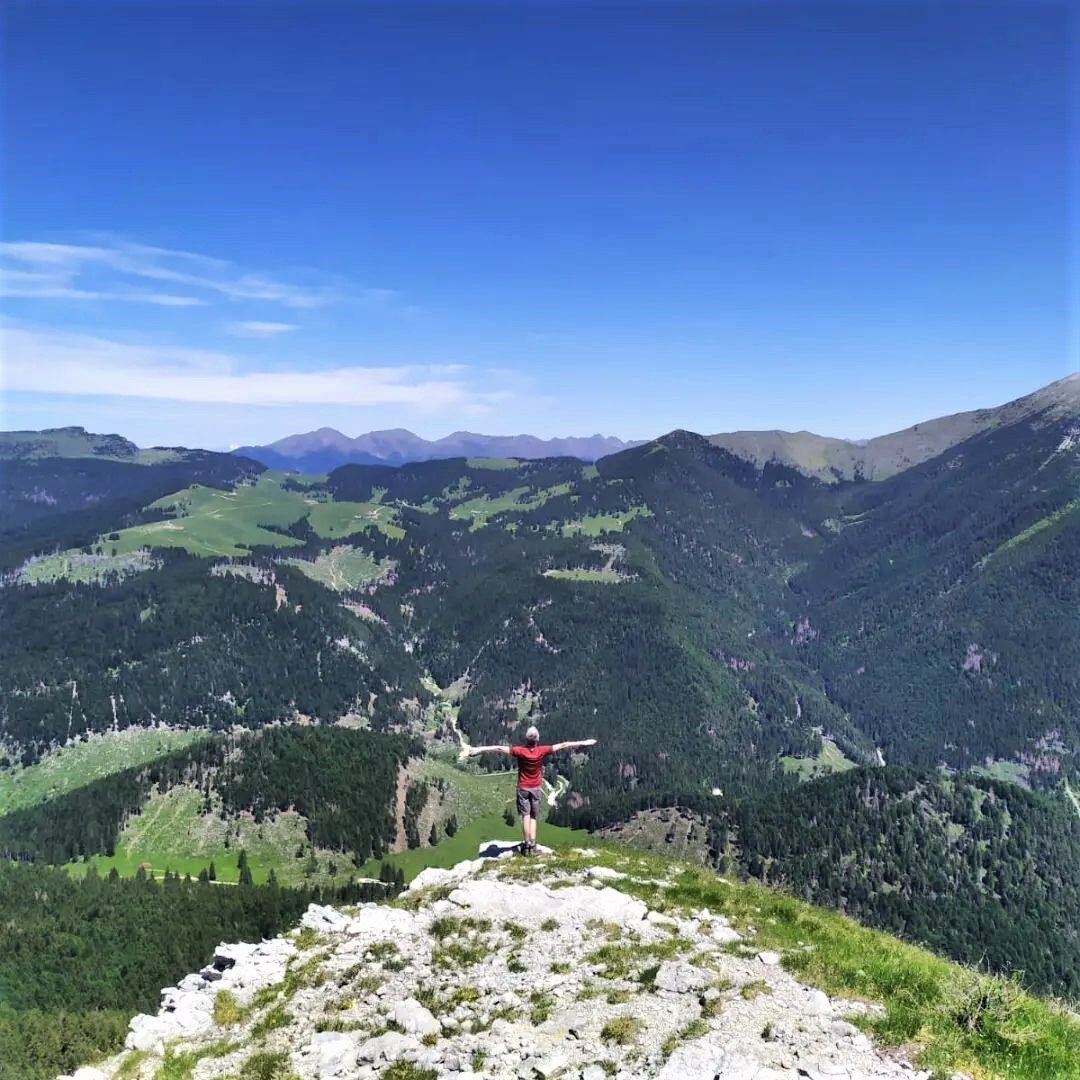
pixel 833 460
pixel 326 448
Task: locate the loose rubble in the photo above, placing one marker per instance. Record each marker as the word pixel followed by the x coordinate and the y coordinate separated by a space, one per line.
pixel 472 973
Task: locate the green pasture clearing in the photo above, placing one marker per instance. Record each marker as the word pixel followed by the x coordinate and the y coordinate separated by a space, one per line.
pixel 831 759
pixel 480 509
pixel 599 577
pixel 343 568
pixel 589 472
pixel 81 763
pixel 208 521
pixel 949 1017
pixel 494 463
pixel 333 520
pixel 1010 771
pixel 75 565
pixel 471 795
pixel 598 524
pixel 172 833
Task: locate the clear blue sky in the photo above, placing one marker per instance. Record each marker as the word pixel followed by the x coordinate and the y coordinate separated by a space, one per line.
pixel 224 223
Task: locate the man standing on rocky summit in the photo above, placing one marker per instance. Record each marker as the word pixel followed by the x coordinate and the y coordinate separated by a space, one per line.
pixel 530 759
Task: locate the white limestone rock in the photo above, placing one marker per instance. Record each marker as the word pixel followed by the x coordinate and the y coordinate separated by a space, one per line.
pixel 326 920
pixel 605 873
pixel 807 1036
pixel 508 900
pixel 551 1064
pixel 724 934
pixel 659 919
pixel 387 1047
pixel 379 921
pixel 334 1052
pixel 704 1059
pixel 414 1018
pixel 678 977
pixel 816 1003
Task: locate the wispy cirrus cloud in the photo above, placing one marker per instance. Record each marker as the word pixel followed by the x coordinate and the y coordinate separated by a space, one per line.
pixel 60 363
pixel 60 284
pixel 256 329
pixel 140 273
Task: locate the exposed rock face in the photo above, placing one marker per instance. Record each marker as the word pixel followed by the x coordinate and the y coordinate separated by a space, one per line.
pixel 512 969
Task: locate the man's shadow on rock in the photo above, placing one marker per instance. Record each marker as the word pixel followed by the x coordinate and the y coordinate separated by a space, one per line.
pixel 496 849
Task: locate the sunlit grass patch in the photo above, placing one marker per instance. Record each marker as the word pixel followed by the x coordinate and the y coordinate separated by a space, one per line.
pixel 227 1010
pixel 621 1030
pixel 754 988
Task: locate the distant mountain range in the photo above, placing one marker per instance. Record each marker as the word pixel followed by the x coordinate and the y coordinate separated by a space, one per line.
pixel 819 456
pixel 327 449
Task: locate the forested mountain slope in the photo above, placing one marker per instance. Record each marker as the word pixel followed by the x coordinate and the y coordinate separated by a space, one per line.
pixel 945 610
pixel 727 631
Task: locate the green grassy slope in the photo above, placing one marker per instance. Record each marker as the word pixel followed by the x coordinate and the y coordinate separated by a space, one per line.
pixel 207 521
pixel 77 765
pixel 173 834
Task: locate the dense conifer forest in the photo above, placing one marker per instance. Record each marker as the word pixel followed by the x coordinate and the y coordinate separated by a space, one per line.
pixel 79 957
pixel 978 869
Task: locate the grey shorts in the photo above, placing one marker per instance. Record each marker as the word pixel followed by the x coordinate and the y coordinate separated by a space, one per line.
pixel 528 801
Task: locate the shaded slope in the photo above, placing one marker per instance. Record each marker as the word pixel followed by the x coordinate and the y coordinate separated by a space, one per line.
pixel 945 611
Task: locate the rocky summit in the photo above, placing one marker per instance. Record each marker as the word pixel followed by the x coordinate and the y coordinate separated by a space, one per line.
pixel 508 968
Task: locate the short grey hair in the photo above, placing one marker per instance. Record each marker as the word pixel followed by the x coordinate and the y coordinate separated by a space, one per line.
pixel 532 735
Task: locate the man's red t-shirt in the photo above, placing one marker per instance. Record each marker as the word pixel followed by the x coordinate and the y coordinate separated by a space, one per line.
pixel 529 759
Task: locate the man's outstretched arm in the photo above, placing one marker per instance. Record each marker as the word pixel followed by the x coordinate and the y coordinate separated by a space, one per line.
pixel 571 745
pixel 470 751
